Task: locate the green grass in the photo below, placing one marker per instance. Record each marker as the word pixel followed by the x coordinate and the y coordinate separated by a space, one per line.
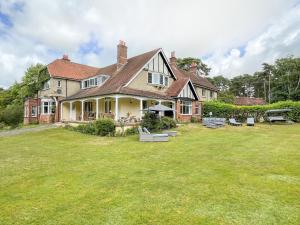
pixel 232 175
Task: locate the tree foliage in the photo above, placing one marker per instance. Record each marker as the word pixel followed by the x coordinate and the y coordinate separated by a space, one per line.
pixel 185 64
pixel 12 99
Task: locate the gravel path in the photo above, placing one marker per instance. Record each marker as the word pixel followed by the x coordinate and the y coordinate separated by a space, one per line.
pixel 25 130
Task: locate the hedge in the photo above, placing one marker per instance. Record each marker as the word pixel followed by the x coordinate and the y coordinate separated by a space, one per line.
pixel 224 110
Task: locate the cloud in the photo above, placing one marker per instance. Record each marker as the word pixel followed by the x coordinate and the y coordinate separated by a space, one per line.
pixel 282 38
pixel 88 31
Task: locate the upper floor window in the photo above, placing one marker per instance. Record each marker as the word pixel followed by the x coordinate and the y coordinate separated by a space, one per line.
pixel 93 82
pixel 59 83
pixel 158 79
pixel 46 85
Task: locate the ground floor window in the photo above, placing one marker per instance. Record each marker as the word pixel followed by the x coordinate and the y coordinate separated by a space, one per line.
pixel 33 111
pixel 186 107
pixel 197 108
pixel 48 107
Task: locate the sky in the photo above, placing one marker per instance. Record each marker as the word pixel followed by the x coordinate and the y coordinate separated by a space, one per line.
pixel 232 36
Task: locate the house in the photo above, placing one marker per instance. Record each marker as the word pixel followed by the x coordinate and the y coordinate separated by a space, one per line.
pixel 249 101
pixel 79 93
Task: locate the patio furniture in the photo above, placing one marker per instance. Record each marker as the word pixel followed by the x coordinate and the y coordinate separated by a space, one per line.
pixel 234 123
pixel 250 121
pixel 148 137
pixel 277 115
pixel 212 122
pixel 171 133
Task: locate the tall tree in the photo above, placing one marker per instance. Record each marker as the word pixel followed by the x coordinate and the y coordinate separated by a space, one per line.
pixel 185 64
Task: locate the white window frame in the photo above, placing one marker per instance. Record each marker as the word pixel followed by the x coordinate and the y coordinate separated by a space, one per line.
pixel 156 79
pixel 33 112
pixel 59 83
pixel 188 104
pixel 50 106
pixel 94 81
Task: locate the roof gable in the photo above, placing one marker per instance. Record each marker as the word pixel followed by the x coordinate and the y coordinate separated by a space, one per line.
pixel 152 63
pixel 188 91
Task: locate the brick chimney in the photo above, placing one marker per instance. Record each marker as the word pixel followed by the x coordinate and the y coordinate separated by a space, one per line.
pixel 121 54
pixel 193 68
pixel 65 57
pixel 173 59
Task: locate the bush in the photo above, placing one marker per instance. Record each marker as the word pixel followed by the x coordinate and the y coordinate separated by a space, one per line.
pixel 220 109
pixel 194 120
pixel 102 127
pixel 12 115
pixel 105 127
pixel 131 131
pixel 150 121
pixel 167 123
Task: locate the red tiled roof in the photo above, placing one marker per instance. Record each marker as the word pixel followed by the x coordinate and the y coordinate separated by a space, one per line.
pixel 66 69
pixel 249 101
pixel 178 84
pixel 118 78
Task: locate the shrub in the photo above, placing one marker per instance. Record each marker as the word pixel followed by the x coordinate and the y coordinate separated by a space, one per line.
pixel 131 131
pixel 220 109
pixel 150 121
pixel 105 127
pixel 86 128
pixel 193 119
pixel 167 123
pixel 12 115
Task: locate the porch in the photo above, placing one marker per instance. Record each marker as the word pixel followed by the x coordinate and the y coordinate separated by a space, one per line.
pixel 128 108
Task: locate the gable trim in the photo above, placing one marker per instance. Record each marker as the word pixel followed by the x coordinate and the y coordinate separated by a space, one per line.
pixel 165 61
pixel 192 89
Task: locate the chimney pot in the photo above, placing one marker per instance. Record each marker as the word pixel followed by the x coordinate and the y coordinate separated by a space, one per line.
pixel 65 57
pixel 173 59
pixel 193 67
pixel 121 54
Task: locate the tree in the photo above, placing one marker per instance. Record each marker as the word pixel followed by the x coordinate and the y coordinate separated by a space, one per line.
pixel 185 64
pixel 222 83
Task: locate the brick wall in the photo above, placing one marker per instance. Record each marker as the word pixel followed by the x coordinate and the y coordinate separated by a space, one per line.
pixel 187 118
pixel 28 104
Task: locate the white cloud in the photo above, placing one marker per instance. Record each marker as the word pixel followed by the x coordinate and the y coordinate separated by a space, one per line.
pixel 43 30
pixel 282 38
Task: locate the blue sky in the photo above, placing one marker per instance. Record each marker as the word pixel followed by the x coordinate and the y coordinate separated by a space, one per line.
pixel 232 36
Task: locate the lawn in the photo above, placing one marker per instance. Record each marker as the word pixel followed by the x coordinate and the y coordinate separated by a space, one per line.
pixel 231 175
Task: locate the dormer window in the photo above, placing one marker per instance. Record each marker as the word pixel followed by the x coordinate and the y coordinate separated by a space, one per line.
pixel 94 81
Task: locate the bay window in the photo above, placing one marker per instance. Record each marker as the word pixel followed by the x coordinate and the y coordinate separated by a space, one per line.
pixel 186 107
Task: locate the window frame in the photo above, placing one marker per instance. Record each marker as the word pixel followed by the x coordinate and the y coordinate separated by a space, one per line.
pixel 50 106
pixel 59 83
pixel 33 112
pixel 186 104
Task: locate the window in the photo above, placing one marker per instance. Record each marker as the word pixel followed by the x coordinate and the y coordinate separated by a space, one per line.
pixel 33 111
pixel 107 106
pixel 166 81
pixel 186 107
pixel 211 94
pixel 145 104
pixel 158 79
pixel 150 78
pixel 197 108
pixel 93 82
pixel 203 92
pixel 46 85
pixel 59 83
pixel 48 107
